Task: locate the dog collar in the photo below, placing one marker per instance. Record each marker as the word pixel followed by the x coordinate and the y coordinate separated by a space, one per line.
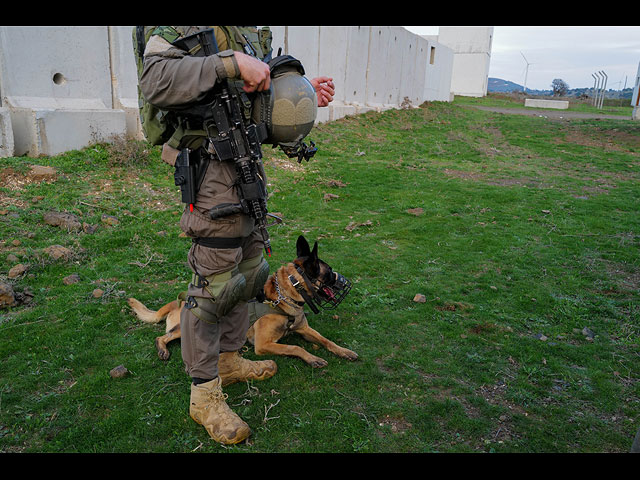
pixel 282 298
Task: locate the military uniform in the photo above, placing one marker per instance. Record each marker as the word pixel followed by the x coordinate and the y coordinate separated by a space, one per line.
pixel 194 104
pixel 170 80
pixel 228 274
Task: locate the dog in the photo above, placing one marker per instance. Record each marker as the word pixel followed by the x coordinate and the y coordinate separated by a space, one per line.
pixel 277 311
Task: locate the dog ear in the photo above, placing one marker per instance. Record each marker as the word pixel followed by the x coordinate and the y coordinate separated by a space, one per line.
pixel 302 247
pixel 314 252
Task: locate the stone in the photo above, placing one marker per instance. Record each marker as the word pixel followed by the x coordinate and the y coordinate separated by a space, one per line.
pixel 118 372
pixel 58 251
pixel 7 298
pixel 71 279
pixel 88 228
pixel 419 298
pixel 62 220
pixel 17 270
pixel 588 333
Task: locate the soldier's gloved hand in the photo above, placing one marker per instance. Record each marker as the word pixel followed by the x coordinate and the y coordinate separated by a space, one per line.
pixel 254 72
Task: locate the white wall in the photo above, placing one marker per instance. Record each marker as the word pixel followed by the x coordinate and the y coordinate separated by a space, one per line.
pixel 64 88
pixel 373 67
pixel 472 55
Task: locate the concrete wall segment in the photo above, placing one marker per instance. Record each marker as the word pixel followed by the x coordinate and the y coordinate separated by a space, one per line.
pixel 85 78
pixel 56 62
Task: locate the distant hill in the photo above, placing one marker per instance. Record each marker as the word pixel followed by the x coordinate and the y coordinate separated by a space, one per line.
pixel 498 85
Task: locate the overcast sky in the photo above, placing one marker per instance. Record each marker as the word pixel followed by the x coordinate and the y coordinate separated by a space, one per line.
pixel 571 53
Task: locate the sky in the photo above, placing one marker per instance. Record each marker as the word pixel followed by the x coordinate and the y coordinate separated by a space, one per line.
pixel 571 53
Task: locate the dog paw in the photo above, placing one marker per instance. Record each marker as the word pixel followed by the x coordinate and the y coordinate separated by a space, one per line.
pixel 345 353
pixel 349 355
pixel 317 362
pixel 163 352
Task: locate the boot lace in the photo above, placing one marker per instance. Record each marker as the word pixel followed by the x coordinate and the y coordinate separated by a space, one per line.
pixel 218 394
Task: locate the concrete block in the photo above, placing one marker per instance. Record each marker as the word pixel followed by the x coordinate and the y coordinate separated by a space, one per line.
pixel 323 115
pixel 303 43
pixel 124 78
pixel 338 111
pixel 364 109
pixel 439 69
pixel 56 62
pixel 383 72
pixel 6 134
pixel 407 49
pixel 332 57
pixel 355 82
pixel 51 132
pixel 541 103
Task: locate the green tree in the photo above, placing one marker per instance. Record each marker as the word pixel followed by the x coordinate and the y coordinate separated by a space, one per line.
pixel 559 87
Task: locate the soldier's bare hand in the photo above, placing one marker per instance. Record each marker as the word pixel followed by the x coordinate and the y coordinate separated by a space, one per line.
pixel 254 72
pixel 325 90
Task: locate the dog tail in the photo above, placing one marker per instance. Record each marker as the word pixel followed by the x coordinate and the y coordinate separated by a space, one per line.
pixel 150 316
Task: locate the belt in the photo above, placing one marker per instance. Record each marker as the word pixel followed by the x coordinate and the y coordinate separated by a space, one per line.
pixel 218 242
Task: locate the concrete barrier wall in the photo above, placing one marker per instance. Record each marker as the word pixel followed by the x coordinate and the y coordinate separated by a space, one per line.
pixel 64 88
pixel 541 103
pixel 373 67
pixel 472 56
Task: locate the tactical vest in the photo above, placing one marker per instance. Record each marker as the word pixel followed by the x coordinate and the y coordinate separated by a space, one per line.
pixel 160 126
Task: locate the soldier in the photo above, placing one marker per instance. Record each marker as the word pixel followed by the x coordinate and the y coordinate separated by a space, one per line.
pixel 226 255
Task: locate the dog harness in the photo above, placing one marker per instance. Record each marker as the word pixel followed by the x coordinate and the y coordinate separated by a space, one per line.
pixel 263 306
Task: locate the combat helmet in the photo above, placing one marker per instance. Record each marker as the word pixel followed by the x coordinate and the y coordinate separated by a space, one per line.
pixel 289 108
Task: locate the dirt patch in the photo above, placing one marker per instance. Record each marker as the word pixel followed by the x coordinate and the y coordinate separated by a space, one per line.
pixel 15 182
pixel 529 182
pixel 607 140
pixel 624 275
pixel 398 425
pixel 496 144
pixel 283 163
pixel 475 176
pixel 552 114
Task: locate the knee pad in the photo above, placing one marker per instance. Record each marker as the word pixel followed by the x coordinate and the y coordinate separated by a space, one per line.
pixel 226 291
pixel 255 271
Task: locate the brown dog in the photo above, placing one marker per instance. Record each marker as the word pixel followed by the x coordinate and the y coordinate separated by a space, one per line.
pixel 307 280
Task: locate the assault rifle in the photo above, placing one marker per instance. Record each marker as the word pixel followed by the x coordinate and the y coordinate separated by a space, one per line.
pixel 239 141
pixel 230 138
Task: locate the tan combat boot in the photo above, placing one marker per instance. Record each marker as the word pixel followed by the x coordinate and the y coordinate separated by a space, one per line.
pixel 233 368
pixel 209 408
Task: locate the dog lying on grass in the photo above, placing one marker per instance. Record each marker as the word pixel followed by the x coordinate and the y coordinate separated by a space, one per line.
pixel 278 312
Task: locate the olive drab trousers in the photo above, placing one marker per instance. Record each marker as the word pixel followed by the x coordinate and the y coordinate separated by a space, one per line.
pixel 203 341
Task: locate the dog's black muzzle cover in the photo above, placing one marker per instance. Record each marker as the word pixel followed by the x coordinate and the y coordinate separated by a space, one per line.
pixel 330 296
pixel 325 295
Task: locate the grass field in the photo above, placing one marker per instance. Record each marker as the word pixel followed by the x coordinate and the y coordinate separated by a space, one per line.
pixel 521 233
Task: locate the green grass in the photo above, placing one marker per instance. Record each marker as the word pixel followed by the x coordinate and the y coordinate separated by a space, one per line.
pixel 516 100
pixel 527 233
